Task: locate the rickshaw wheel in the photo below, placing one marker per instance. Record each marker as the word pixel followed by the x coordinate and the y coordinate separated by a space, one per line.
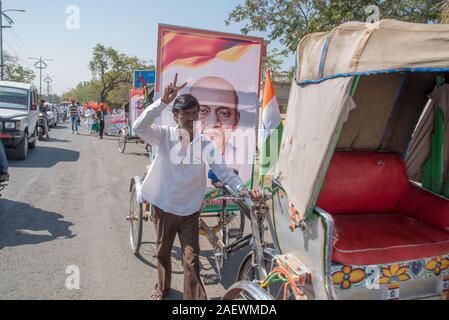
pixel 135 222
pixel 122 141
pixel 248 271
pixel 246 290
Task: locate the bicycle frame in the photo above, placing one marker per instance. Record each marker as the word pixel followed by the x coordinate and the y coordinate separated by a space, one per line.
pixel 257 214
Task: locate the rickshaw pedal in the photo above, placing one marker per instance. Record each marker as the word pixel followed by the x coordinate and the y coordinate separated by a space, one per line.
pixel 211 280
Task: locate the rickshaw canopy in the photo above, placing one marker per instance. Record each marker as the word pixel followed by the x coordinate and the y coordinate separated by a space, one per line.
pixel 359 87
pixel 370 48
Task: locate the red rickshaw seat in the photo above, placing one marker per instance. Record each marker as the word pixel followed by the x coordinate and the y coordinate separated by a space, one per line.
pixel 380 216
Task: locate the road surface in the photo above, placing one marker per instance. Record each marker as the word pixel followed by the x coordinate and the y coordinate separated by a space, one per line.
pixel 64 212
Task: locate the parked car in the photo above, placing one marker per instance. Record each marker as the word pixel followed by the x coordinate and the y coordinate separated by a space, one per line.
pixel 18 117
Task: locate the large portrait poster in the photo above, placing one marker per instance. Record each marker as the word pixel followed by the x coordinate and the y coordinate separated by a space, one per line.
pixel 135 104
pixel 223 71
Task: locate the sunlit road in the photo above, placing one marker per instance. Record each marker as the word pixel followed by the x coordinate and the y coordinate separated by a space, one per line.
pixel 64 210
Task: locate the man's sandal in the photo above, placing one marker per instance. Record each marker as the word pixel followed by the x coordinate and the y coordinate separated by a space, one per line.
pixel 158 296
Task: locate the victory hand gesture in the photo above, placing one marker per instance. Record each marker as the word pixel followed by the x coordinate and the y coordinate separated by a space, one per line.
pixel 171 91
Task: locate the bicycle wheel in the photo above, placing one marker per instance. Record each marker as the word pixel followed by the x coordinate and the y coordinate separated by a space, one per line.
pixel 246 290
pixel 135 219
pixel 248 270
pixel 122 141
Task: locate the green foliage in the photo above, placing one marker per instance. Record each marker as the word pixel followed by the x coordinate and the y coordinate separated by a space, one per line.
pixel 112 77
pixel 13 71
pixel 290 20
pixel 84 92
pixel 113 69
pixel 274 61
pixel 445 12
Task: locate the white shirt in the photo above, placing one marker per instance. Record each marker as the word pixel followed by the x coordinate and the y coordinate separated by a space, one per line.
pixel 177 182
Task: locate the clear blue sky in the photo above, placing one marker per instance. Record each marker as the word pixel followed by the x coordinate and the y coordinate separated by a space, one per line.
pixel 128 26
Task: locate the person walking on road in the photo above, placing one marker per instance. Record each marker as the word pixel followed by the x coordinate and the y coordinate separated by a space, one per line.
pixel 176 185
pixel 74 115
pixel 101 113
pixel 89 114
pixel 4 175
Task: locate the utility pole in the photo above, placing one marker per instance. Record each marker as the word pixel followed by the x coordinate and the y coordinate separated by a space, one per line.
pixel 41 65
pixel 48 80
pixel 11 22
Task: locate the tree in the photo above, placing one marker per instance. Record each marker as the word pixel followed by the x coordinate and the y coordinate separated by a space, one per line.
pixel 290 20
pixel 84 91
pixel 119 96
pixel 274 61
pixel 445 13
pixel 113 69
pixel 13 71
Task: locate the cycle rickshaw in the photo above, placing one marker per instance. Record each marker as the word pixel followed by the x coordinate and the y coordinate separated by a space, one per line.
pixel 360 201
pixel 224 228
pixel 126 135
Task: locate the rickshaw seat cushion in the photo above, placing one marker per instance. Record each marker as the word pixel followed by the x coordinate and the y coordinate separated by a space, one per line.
pixel 363 182
pixel 425 206
pixel 375 182
pixel 375 239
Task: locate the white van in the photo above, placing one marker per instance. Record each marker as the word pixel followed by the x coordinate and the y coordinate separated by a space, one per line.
pixel 18 117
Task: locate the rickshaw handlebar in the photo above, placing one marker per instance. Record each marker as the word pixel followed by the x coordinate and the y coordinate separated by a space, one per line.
pixel 242 194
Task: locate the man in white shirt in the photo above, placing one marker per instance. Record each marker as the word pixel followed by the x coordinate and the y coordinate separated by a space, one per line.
pixel 176 185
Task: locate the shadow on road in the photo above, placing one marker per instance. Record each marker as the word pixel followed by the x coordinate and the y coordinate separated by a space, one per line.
pixel 58 140
pixel 136 154
pixel 207 262
pixel 148 257
pixel 59 127
pixel 22 224
pixel 46 157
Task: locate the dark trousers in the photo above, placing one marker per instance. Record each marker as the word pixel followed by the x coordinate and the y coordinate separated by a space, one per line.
pixel 101 129
pixel 187 228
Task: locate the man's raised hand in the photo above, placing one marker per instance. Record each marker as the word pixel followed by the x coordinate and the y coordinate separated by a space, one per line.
pixel 171 91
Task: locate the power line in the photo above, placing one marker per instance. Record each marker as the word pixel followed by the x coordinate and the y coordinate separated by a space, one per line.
pixel 22 43
pixel 10 23
pixel 41 65
pixel 17 51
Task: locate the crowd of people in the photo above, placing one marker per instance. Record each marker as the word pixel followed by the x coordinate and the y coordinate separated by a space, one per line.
pixel 94 115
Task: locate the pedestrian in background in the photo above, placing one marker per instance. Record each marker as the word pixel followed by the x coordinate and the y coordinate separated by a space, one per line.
pixel 101 113
pixel 89 114
pixel 74 115
pixel 80 113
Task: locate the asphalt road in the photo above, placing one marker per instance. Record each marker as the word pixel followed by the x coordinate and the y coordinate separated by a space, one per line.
pixel 64 211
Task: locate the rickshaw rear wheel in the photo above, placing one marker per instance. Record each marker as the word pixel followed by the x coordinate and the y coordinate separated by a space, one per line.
pixel 248 271
pixel 246 290
pixel 122 141
pixel 135 219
